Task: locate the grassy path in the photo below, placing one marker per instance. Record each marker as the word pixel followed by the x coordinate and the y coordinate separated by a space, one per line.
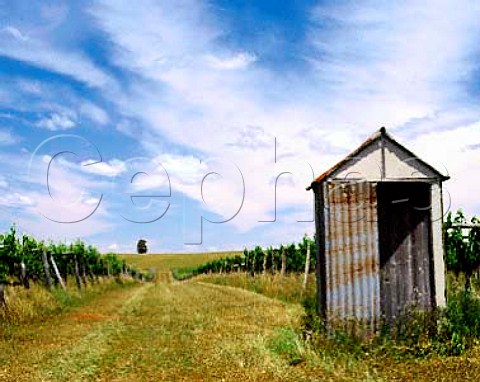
pixel 192 331
pixel 156 332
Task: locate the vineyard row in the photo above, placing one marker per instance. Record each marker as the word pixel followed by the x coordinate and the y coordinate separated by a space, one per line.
pixel 24 260
pixel 286 258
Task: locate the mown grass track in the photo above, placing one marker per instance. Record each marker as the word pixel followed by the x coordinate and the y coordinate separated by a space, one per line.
pixel 193 331
pixel 153 332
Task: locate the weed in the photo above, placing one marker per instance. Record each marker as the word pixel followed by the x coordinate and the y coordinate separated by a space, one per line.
pixel 416 334
pixel 287 344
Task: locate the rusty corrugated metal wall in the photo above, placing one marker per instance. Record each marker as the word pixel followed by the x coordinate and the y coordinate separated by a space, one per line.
pixel 375 251
pixel 351 251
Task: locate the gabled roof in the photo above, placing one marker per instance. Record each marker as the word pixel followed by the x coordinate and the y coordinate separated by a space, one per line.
pixel 377 136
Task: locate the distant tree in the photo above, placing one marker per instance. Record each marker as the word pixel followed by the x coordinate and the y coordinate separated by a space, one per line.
pixel 142 247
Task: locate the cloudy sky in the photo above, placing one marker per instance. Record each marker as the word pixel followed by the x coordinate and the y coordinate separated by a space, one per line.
pixel 174 120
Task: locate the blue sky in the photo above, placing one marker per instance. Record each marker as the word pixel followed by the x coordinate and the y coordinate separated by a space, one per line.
pixel 130 107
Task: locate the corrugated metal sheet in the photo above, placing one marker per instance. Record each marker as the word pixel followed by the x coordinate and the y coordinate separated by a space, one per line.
pixel 351 251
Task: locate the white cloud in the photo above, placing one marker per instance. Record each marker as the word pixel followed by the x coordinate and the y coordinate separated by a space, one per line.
pixel 238 61
pixel 462 145
pixel 56 121
pixel 40 50
pixel 36 220
pixel 92 201
pixel 15 33
pixel 16 200
pixel 72 196
pixel 160 173
pixel 252 138
pixel 54 14
pixel 113 247
pixel 404 66
pixel 118 248
pixel 399 66
pixel 167 44
pixel 388 64
pixel 111 168
pixel 186 168
pixel 95 113
pixel 7 138
pixel 221 113
pixel 3 182
pixel 29 86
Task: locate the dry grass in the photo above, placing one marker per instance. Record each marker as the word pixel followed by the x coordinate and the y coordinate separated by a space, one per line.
pixel 288 288
pixel 27 305
pixel 198 330
pixel 24 305
pixel 160 332
pixel 28 349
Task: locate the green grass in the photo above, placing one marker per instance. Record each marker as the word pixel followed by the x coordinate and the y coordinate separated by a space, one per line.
pixel 287 344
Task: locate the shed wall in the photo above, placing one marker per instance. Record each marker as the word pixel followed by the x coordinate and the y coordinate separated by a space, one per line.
pixel 401 165
pixel 366 165
pixel 394 164
pixel 351 251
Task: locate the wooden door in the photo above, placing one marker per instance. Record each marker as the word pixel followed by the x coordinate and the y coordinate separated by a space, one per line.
pixel 406 269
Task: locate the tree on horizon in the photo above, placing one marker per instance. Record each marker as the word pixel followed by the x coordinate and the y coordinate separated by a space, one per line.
pixel 142 247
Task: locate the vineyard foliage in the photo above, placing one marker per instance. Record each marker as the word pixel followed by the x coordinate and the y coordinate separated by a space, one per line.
pixel 258 260
pixel 462 245
pixel 24 259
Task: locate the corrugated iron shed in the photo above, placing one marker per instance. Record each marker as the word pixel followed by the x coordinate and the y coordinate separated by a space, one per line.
pixel 379 234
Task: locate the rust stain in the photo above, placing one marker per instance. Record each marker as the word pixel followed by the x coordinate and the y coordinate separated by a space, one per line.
pixel 351 254
pixel 353 272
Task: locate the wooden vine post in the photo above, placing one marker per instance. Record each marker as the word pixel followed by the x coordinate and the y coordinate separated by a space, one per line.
pixel 273 261
pixel 92 275
pixel 254 264
pixel 3 301
pixel 23 275
pixel 83 274
pixel 265 255
pixel 307 267
pixel 57 273
pixel 46 269
pixel 77 272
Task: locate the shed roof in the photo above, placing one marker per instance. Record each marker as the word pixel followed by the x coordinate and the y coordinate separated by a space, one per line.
pixel 379 135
